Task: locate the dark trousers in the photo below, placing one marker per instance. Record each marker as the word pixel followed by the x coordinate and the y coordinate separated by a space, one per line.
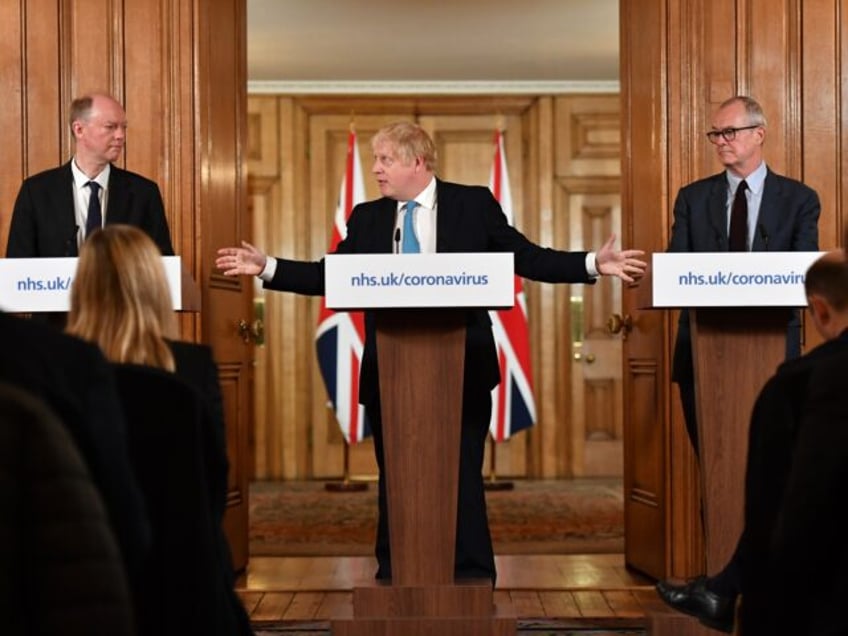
pixel 727 582
pixel 474 557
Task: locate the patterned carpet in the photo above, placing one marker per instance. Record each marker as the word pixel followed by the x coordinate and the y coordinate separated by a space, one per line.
pixel 537 517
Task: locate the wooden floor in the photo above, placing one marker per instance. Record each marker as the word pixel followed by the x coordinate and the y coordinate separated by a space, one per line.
pixel 579 590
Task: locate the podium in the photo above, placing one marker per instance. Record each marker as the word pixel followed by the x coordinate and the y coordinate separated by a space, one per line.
pixel 421 350
pixel 739 307
pixel 35 285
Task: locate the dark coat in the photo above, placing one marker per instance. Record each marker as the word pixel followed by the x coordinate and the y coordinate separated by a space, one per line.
pixel 43 222
pixel 469 220
pixel 806 582
pixel 61 570
pixel 75 381
pixel 775 422
pixel 178 452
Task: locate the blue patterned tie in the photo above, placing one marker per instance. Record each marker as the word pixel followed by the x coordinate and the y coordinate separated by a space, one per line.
pixel 410 243
pixel 95 218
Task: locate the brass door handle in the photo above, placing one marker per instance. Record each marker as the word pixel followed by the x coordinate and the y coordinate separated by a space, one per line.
pixel 589 358
pixel 617 324
pixel 252 331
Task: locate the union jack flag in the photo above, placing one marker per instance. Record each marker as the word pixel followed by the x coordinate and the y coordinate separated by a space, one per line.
pixel 513 407
pixel 340 335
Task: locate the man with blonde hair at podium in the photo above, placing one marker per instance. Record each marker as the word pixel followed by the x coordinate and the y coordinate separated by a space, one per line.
pixel 419 212
pixel 747 207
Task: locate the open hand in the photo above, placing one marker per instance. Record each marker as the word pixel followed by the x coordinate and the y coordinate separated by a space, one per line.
pixel 624 264
pixel 241 261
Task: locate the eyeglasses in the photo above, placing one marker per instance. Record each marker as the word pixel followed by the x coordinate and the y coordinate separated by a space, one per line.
pixel 728 134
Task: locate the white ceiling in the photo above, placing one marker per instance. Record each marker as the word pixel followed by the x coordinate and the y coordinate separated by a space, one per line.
pixel 343 42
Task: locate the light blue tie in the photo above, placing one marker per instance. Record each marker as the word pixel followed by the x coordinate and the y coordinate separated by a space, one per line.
pixel 410 243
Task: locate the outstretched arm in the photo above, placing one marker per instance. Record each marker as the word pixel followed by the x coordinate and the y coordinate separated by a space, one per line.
pixel 623 264
pixel 241 261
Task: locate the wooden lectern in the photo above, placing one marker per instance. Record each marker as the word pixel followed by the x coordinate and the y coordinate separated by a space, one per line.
pixel 737 344
pixel 421 359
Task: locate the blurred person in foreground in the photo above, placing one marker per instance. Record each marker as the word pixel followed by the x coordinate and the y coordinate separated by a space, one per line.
pixel 794 571
pixel 121 300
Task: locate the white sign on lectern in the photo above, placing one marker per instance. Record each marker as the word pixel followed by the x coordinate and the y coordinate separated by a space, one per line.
pixel 730 279
pixel 31 285
pixel 373 281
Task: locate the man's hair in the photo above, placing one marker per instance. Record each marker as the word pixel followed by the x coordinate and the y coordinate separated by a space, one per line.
pixel 81 109
pixel 828 277
pixel 120 299
pixel 409 140
pixel 756 116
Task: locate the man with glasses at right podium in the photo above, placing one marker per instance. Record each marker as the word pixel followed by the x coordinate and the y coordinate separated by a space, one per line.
pixel 747 207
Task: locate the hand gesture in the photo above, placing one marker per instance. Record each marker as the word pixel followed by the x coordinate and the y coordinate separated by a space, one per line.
pixel 623 264
pixel 245 260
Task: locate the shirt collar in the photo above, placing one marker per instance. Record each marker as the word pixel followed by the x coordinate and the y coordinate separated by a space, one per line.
pixel 426 198
pixel 80 178
pixel 755 180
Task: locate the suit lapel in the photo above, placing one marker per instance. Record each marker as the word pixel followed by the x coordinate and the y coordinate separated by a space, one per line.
pixel 718 211
pixel 63 201
pixel 118 204
pixel 384 239
pixel 447 216
pixel 770 213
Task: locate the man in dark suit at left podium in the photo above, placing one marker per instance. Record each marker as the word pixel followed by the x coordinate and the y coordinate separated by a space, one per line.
pixel 56 209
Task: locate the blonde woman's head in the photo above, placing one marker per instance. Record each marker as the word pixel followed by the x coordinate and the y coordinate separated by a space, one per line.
pixel 120 298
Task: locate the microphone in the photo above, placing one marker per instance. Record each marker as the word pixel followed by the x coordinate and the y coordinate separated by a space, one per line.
pixel 397 240
pixel 763 234
pixel 70 242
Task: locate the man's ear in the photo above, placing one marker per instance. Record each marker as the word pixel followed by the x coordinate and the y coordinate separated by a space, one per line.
pixel 820 309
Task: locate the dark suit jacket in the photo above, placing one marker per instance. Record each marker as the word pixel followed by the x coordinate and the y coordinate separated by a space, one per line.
pixel 168 427
pixel 787 222
pixel 469 219
pixel 196 367
pixel 75 380
pixel 61 570
pixel 806 579
pixel 43 222
pixel 775 422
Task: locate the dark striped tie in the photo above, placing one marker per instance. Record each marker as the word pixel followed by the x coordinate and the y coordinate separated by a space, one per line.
pixel 739 220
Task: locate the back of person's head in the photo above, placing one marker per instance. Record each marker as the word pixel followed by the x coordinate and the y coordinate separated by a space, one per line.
pixel 828 277
pixel 120 298
pixel 409 141
pixel 826 287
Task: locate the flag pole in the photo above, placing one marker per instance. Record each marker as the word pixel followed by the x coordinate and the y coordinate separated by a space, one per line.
pixel 493 483
pixel 346 484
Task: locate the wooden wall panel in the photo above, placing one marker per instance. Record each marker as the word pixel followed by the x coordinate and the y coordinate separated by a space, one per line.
pixel 12 113
pixel 822 126
pixel 95 47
